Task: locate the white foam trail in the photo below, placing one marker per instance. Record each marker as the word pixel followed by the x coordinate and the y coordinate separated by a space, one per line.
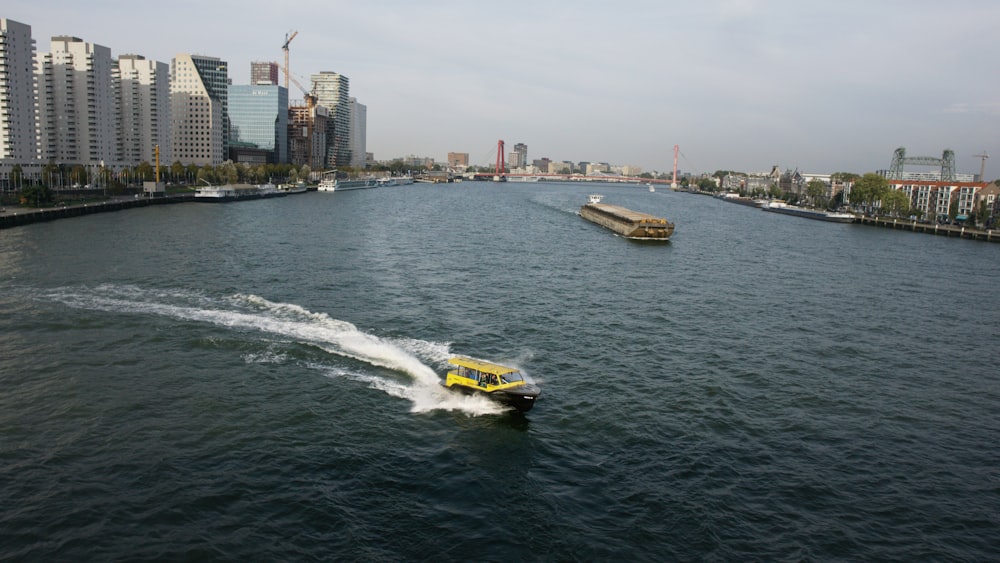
pixel 301 325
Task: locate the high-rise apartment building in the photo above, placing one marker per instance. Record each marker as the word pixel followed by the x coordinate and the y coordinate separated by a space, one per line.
pixel 17 92
pixel 144 110
pixel 359 130
pixel 77 103
pixel 458 159
pixel 332 91
pixel 258 117
pixel 199 107
pixel 263 73
pixel 518 158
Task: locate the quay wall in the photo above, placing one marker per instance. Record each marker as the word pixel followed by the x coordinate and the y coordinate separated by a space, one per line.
pixel 16 218
pixel 931 229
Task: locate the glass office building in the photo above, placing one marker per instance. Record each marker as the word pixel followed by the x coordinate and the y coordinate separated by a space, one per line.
pixel 258 117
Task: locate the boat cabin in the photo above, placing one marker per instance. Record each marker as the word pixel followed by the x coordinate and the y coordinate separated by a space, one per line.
pixel 485 376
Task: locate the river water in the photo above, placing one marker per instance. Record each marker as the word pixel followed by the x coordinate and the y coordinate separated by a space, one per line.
pixel 259 381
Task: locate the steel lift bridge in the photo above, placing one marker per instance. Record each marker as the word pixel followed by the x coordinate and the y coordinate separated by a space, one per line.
pixel 946 162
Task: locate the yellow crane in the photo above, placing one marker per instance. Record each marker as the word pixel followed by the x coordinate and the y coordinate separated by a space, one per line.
pixel 288 39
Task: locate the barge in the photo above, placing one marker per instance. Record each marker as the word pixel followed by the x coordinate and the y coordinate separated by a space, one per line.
pixel 832 216
pixel 625 222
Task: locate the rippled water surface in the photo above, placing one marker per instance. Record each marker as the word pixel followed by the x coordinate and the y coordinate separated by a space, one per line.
pixel 260 381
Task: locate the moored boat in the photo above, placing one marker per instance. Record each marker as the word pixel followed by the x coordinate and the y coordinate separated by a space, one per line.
pixel 297 188
pixel 229 192
pixel 832 216
pixel 627 223
pixel 503 384
pixel 328 183
pixel 356 184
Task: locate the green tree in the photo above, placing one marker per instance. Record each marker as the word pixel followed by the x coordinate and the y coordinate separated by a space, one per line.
pixel 16 176
pixel 144 171
pixel 177 171
pixel 50 174
pixel 896 203
pixel 845 177
pixel 816 190
pixel 869 189
pixel 78 175
pixel 36 196
pixel 983 213
pixel 953 210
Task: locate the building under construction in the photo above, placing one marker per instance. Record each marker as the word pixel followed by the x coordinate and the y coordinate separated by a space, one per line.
pixel 307 125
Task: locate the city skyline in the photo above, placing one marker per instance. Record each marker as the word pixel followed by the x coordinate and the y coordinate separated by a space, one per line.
pixel 739 85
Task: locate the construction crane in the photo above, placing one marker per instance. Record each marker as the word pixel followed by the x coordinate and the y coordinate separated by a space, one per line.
pixel 288 39
pixel 309 95
pixel 982 166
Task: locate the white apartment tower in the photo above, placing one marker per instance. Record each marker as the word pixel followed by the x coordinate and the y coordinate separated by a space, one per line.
pixel 332 91
pixel 17 92
pixel 144 109
pixel 359 131
pixel 199 109
pixel 77 105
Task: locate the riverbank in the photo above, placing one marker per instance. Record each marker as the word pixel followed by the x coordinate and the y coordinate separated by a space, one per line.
pixel 18 216
pixel 929 228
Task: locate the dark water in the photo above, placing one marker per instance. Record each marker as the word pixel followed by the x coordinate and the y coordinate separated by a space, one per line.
pixel 258 381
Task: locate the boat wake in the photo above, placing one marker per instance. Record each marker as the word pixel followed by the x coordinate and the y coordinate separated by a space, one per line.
pixel 411 358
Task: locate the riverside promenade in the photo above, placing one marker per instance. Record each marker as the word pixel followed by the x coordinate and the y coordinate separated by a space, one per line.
pixel 17 216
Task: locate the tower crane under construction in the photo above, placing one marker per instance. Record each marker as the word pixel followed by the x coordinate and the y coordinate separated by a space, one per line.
pixel 288 39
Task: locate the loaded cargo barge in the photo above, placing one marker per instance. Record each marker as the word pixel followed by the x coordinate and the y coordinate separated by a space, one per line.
pixel 625 222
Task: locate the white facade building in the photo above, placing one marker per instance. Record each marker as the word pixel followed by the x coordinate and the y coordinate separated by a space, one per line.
pixel 144 109
pixel 77 105
pixel 198 109
pixel 17 93
pixel 359 132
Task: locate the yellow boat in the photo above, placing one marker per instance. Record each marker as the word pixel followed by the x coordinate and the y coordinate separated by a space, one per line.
pixel 503 384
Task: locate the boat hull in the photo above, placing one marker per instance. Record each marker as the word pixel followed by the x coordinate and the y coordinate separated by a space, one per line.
pixel 628 223
pixel 811 213
pixel 522 397
pixel 345 185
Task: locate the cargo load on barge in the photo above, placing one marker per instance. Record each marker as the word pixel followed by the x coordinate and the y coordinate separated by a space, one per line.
pixel 625 222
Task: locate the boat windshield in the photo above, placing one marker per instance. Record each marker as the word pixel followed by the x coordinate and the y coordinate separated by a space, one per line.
pixel 511 377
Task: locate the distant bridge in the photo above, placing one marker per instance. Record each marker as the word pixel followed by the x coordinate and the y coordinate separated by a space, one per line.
pixel 946 162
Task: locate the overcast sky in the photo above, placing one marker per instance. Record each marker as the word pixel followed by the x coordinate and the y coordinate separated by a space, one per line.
pixel 738 84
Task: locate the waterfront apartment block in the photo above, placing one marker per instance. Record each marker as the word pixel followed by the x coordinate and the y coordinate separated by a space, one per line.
pixel 77 105
pixel 143 110
pixel 359 133
pixel 458 160
pixel 17 92
pixel 258 118
pixel 333 91
pixel 934 199
pixel 199 103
